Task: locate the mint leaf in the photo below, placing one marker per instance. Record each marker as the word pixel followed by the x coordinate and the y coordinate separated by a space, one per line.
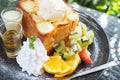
pixel 31 42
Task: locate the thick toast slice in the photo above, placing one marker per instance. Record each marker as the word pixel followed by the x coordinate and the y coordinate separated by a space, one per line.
pixel 49 32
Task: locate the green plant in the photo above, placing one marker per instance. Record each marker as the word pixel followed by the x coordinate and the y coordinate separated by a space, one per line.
pixel 111 7
pixel 114 8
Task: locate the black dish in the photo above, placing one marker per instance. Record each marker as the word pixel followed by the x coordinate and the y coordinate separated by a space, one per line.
pixel 10 70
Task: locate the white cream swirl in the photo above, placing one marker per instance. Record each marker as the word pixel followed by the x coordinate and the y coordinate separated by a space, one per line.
pixel 31 60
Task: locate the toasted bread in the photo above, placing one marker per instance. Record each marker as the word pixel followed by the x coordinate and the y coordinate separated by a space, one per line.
pixel 53 32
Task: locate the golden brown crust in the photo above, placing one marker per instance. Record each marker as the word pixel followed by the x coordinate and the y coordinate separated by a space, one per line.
pixel 61 31
pixel 30 6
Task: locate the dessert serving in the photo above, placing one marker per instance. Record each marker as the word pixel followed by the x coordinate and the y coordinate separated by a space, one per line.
pixel 57 42
pixel 55 26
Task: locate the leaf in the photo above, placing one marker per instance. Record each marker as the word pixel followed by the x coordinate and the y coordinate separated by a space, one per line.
pixel 31 42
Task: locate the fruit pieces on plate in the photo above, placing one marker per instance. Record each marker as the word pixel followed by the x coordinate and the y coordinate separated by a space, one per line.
pixel 85 56
pixel 73 61
pixel 59 67
pixel 69 54
pixel 55 65
pixel 79 39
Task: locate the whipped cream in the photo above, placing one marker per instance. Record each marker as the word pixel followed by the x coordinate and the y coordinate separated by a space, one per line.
pixel 31 60
pixel 52 10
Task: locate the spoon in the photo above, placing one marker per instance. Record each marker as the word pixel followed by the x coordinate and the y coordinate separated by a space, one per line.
pixel 95 69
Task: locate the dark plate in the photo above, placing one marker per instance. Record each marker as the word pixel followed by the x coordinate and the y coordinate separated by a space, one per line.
pixel 10 70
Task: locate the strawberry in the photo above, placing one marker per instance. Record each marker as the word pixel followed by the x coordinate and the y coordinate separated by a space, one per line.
pixel 85 56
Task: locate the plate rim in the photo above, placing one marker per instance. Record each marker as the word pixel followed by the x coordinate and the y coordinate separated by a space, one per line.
pixel 100 27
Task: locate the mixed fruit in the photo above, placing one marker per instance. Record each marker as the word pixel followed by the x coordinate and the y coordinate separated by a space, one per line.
pixel 68 54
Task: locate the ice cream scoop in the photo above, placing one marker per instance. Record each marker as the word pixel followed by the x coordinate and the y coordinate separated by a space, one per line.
pixel 52 10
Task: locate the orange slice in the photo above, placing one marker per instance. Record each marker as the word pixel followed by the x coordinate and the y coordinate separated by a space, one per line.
pixel 73 61
pixel 53 65
pixel 56 65
pixel 64 67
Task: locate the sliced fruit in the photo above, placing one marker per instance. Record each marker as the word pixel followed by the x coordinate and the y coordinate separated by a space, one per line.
pixel 84 29
pixel 87 39
pixel 74 35
pixel 60 47
pixel 68 53
pixel 64 67
pixel 56 65
pixel 73 61
pixel 53 65
pixel 57 54
pixel 85 56
pixel 90 35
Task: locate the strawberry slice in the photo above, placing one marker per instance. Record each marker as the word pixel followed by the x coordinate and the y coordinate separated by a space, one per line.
pixel 85 56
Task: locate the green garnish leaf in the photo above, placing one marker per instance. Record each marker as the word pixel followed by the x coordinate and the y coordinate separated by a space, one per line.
pixel 31 42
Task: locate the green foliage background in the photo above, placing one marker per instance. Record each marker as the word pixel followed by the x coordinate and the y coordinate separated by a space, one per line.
pixel 111 7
